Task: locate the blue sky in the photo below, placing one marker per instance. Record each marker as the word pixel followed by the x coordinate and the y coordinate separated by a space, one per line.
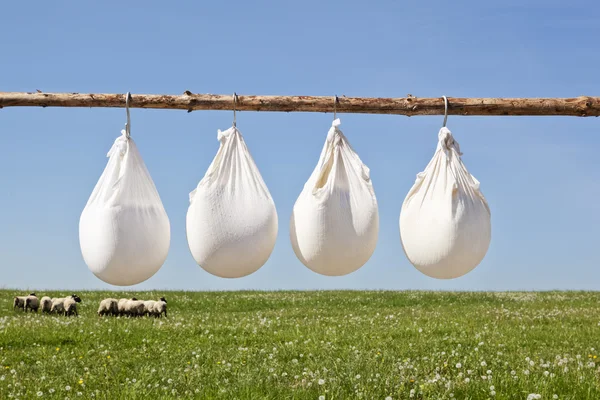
pixel 541 175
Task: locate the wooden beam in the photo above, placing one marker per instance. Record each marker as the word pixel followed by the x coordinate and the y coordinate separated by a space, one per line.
pixel 583 106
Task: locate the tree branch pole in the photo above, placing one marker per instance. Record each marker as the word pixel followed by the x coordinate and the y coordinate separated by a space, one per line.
pixel 583 106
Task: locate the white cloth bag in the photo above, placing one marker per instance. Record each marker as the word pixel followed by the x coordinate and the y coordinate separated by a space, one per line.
pixel 335 220
pixel 231 221
pixel 124 231
pixel 445 221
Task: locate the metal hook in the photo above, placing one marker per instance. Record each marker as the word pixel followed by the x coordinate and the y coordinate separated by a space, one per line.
pixel 235 99
pixel 445 111
pixel 335 101
pixel 128 124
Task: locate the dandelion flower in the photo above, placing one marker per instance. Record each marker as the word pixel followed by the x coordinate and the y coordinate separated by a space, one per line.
pixel 321 381
pixel 458 365
pixel 67 388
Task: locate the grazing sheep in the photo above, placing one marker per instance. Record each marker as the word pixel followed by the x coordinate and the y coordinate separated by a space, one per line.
pixel 19 301
pixel 32 303
pixel 160 307
pixel 121 305
pixel 134 308
pixel 46 304
pixel 148 307
pixel 108 307
pixel 70 305
pixel 58 305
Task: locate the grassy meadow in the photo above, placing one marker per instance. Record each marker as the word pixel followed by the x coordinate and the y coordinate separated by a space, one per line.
pixel 309 345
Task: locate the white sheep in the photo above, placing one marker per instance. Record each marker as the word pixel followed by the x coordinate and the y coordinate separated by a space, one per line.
pixel 121 305
pixel 149 307
pixel 32 303
pixel 108 307
pixel 160 307
pixel 70 305
pixel 46 304
pixel 19 302
pixel 58 305
pixel 134 308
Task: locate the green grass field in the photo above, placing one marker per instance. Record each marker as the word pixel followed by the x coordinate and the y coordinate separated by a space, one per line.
pixel 309 345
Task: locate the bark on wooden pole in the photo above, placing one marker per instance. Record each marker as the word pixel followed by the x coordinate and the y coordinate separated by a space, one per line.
pixel 583 106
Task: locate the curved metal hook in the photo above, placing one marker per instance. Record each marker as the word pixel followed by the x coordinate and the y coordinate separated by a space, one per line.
pixel 128 123
pixel 235 99
pixel 445 111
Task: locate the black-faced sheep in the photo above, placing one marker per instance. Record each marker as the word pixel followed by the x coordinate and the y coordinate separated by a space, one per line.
pixel 19 301
pixel 108 307
pixel 121 306
pixel 59 305
pixel 149 307
pixel 46 304
pixel 32 303
pixel 71 305
pixel 134 308
pixel 160 307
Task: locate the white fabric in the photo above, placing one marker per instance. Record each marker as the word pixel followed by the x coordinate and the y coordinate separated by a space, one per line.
pixel 445 222
pixel 231 222
pixel 335 221
pixel 124 231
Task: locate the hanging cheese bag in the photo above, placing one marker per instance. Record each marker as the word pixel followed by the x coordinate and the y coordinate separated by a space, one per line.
pixel 231 221
pixel 445 223
pixel 335 220
pixel 124 231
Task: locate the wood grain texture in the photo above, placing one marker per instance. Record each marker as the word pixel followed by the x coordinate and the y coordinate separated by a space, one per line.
pixel 583 106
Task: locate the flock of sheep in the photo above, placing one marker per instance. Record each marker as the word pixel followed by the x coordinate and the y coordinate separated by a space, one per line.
pixel 68 306
pixel 133 307
pixel 62 305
